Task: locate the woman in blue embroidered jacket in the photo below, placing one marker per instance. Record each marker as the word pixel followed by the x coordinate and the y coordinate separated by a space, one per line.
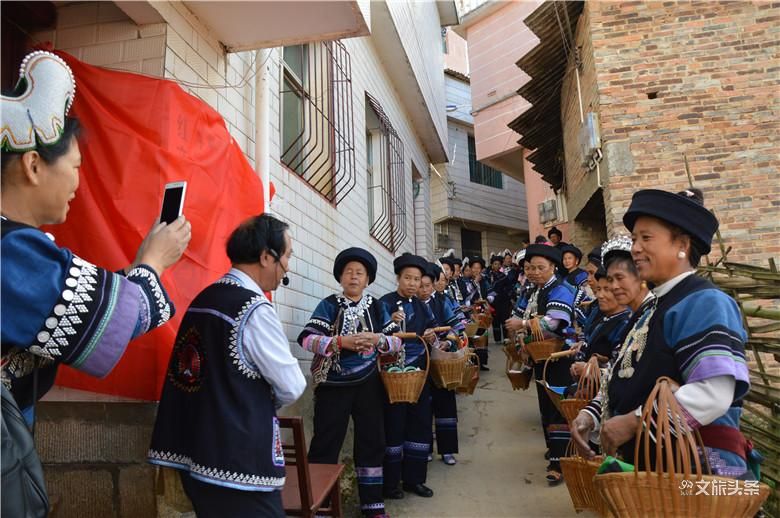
pixel 58 308
pixel 477 288
pixel 571 256
pixel 692 333
pixel 444 406
pixel 551 299
pixel 346 332
pixel 630 291
pixel 605 336
pixel 408 425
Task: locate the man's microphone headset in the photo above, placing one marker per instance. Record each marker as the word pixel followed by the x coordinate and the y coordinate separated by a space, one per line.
pixel 275 255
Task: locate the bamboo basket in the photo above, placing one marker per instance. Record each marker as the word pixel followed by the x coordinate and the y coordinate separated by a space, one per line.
pixel 587 388
pixel 671 490
pixel 541 349
pixel 471 329
pixel 556 398
pixel 512 353
pixel 519 380
pixel 481 314
pixel 447 368
pixel 405 387
pixel 511 350
pixel 470 375
pixel 578 473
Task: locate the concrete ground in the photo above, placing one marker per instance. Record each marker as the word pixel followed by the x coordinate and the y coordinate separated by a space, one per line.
pixel 501 466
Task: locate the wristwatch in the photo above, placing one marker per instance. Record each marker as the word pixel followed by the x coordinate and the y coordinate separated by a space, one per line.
pixel 638 412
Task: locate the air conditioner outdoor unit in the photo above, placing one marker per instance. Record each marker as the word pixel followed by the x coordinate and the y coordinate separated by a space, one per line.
pixel 548 211
pixel 589 137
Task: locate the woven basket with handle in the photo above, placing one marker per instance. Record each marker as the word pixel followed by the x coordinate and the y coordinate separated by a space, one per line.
pixel 674 488
pixel 556 398
pixel 405 387
pixel 587 388
pixel 518 377
pixel 447 367
pixel 540 348
pixel 470 374
pixel 578 473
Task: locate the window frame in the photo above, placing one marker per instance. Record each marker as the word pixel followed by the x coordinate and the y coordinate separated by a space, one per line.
pixel 480 173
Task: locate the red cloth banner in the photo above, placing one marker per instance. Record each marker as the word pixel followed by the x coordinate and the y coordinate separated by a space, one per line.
pixel 139 134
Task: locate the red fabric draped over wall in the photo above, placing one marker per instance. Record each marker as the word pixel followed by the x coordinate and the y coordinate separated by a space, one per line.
pixel 139 134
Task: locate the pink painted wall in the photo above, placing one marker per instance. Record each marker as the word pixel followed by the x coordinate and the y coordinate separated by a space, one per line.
pixel 495 43
pixel 537 191
pixel 456 57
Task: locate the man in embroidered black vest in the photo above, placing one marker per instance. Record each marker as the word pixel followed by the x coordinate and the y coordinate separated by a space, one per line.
pixel 230 369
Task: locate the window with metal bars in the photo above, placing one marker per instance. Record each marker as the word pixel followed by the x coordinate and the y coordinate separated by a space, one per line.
pixel 385 178
pixel 317 131
pixel 481 173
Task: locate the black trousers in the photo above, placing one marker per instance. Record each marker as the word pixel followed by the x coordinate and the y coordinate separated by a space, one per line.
pixel 445 417
pixel 213 501
pixel 503 312
pixel 556 428
pixel 333 406
pixel 408 433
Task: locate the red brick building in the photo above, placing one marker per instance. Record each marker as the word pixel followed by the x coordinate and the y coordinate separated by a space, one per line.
pixel 656 81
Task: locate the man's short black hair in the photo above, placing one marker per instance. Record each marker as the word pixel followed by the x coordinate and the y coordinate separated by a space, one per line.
pixel 254 236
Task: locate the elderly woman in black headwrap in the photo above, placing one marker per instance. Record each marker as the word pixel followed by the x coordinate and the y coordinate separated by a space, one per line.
pixel 691 332
pixel 550 300
pixel 346 332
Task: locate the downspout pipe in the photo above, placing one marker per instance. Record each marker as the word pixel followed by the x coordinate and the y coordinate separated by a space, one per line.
pixel 262 124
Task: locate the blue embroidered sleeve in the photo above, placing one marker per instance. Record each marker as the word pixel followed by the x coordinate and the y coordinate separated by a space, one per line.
pixel 705 330
pixel 59 307
pixel 321 321
pixel 559 303
pixel 388 326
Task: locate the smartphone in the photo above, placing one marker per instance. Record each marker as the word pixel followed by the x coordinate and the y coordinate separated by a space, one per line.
pixel 173 201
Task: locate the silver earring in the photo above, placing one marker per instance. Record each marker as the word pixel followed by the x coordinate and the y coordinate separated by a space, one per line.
pixel 681 255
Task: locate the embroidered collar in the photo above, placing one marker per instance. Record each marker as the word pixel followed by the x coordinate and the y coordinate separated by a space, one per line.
pixel 606 318
pixel 550 281
pixel 236 276
pixel 663 289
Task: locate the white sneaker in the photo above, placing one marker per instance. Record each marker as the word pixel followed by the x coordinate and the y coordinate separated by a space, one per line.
pixel 449 459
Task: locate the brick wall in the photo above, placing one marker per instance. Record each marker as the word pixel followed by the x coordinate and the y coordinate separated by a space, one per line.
pixel 580 183
pixel 94 458
pixel 713 69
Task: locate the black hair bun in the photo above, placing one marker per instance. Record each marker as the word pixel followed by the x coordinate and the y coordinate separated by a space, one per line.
pixel 694 195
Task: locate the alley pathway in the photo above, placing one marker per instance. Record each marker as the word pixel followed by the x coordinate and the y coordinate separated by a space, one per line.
pixel 501 468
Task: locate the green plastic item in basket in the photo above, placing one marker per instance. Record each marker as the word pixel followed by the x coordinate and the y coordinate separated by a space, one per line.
pixel 613 465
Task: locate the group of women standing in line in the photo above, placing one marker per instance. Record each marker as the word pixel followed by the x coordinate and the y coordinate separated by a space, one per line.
pixel 347 332
pixel 650 316
pixel 637 305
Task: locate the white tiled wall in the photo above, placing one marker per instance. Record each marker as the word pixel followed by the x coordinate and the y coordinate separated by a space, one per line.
pixel 99 33
pixel 319 230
